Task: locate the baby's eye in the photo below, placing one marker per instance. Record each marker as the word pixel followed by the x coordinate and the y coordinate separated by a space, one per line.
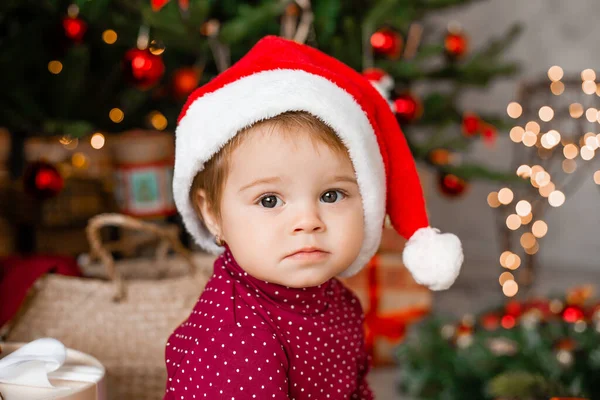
pixel 331 196
pixel 269 201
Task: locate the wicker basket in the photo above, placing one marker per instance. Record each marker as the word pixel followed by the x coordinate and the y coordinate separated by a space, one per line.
pixel 122 313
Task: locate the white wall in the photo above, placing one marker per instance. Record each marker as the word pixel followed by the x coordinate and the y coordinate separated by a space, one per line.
pixel 557 32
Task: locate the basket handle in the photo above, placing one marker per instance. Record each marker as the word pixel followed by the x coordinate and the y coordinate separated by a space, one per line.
pixel 168 235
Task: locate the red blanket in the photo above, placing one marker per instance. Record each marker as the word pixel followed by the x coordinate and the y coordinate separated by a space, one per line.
pixel 18 274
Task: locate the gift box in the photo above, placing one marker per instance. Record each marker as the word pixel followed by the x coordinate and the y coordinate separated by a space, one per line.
pixel 144 173
pixel 390 298
pixel 79 376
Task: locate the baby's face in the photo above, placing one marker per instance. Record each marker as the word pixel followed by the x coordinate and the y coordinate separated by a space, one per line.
pixel 307 204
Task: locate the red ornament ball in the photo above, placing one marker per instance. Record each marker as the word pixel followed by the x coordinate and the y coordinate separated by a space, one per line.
pixel 185 80
pixel 387 42
pixel 456 45
pixel 42 180
pixel 490 321
pixel 573 314
pixel 407 107
pixel 513 308
pixel 142 68
pixel 470 124
pixel 508 322
pixel 451 185
pixel 489 134
pixel 75 28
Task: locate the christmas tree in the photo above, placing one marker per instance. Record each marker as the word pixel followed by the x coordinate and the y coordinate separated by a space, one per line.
pixel 536 349
pixel 75 68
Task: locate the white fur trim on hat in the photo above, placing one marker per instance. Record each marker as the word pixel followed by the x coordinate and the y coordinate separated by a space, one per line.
pixel 213 119
pixel 433 258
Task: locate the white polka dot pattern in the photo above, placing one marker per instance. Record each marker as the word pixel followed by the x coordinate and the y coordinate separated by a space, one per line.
pixel 250 339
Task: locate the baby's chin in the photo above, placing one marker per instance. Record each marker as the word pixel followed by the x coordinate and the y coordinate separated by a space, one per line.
pixel 303 279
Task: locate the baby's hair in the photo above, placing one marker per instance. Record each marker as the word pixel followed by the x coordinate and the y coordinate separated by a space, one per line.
pixel 212 178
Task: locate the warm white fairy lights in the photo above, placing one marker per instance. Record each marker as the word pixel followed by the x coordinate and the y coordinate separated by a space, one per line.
pixel 547 144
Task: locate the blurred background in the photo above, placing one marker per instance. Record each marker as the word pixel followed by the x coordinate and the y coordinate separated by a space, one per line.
pixel 497 99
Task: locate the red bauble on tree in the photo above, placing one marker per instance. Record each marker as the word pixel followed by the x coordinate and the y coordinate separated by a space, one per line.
pixel 185 80
pixel 490 321
pixel 456 44
pixel 407 107
pixel 42 180
pixel 489 134
pixel 75 28
pixel 470 124
pixel 451 185
pixel 387 42
pixel 573 313
pixel 184 5
pixel 142 68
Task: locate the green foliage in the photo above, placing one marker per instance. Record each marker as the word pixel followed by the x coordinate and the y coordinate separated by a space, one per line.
pixel 540 357
pixel 77 100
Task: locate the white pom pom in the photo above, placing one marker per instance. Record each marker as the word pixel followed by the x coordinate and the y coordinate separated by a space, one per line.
pixel 433 259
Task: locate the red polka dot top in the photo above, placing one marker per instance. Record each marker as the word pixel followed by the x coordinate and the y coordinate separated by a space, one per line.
pixel 250 339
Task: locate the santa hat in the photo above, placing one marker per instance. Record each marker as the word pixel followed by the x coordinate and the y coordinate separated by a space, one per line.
pixel 279 75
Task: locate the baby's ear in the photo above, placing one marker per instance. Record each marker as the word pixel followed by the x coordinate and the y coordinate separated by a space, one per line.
pixel 206 213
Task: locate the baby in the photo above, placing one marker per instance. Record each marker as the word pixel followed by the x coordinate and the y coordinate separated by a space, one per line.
pixel 286 165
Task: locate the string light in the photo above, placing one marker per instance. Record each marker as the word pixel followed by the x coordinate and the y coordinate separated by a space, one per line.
pixel 533 126
pixel 529 139
pixel 510 288
pixel 528 240
pixel 504 256
pixel 569 166
pixel 524 171
pixel 557 88
pixel 79 160
pixel 73 10
pixel 533 250
pixel 576 110
pixel 65 140
pixel 546 113
pixel 591 114
pixel 570 151
pixel 505 276
pixel 97 141
pixel 526 219
pixel 516 134
pixel 514 110
pixel 116 115
pixel 590 140
pixel 513 261
pixel 523 208
pixel 55 67
pixel 547 189
pixel 588 75
pixel 492 200
pixel 513 222
pixel 588 87
pixel 158 120
pixel 505 196
pixel 542 178
pixel 539 229
pixel 556 198
pixel 109 36
pixel 555 73
pixel 587 153
pixel 597 177
pixel 71 145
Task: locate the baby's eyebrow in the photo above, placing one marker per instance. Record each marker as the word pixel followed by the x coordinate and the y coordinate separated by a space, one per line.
pixel 344 178
pixel 272 179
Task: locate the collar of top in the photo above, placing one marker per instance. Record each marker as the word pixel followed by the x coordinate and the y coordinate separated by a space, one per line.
pixel 307 300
